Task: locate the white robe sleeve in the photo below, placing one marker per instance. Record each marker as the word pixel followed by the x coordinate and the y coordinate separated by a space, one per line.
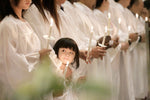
pixel 16 64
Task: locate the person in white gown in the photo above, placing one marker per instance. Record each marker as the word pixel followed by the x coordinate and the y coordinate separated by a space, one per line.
pixel 140 76
pixel 45 22
pixel 67 51
pixel 113 54
pixel 20 48
pixel 70 22
pixel 117 11
pixel 85 18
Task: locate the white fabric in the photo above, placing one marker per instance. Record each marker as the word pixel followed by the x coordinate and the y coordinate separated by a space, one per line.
pixel 98 69
pixel 126 84
pixel 42 27
pixel 112 54
pixel 134 60
pixel 139 69
pixel 19 47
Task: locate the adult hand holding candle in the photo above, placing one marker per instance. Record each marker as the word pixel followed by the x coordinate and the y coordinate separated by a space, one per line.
pixel 89 47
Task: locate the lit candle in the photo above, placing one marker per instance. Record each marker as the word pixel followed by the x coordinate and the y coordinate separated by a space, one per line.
pixel 89 47
pixel 129 28
pixel 119 22
pixel 103 42
pixel 50 31
pixel 146 19
pixel 109 23
pixel 66 68
pixel 137 17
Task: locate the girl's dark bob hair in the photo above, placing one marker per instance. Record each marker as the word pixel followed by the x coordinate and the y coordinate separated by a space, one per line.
pixel 68 43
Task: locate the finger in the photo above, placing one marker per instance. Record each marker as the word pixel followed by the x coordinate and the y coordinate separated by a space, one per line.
pixel 102 51
pixel 101 58
pixel 101 54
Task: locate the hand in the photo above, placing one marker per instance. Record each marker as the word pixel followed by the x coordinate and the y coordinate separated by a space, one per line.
pixel 81 79
pixel 68 73
pixel 107 39
pixel 115 42
pixel 133 36
pixel 98 52
pixel 143 38
pixel 124 46
pixel 44 52
pixel 83 55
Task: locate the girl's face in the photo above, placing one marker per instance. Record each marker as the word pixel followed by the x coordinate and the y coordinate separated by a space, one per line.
pixel 66 55
pixel 24 4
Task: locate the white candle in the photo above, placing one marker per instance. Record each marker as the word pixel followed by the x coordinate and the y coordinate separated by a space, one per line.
pixel 103 42
pixel 50 31
pixel 89 47
pixel 66 68
pixel 129 28
pixel 137 16
pixel 146 19
pixel 109 22
pixel 119 22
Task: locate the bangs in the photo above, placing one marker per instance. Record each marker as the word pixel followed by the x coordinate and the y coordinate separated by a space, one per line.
pixel 68 44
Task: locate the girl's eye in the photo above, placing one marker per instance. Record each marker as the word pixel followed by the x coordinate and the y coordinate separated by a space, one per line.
pixel 71 53
pixel 63 50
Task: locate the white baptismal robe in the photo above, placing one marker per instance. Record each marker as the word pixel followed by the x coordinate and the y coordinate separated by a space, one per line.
pixel 138 57
pixel 42 28
pixel 126 83
pixel 99 69
pixel 113 54
pixel 19 47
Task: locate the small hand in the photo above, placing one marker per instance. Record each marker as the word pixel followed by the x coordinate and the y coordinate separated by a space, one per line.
pixel 44 52
pixel 133 37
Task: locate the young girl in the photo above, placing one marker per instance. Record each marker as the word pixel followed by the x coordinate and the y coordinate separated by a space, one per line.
pixel 20 47
pixel 67 51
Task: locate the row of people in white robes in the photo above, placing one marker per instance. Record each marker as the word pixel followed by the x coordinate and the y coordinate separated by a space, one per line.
pixel 78 19
pixel 75 22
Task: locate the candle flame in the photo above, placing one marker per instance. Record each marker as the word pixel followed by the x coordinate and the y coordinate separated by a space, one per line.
pixel 106 29
pixel 146 19
pixel 119 20
pixel 92 29
pixel 109 15
pixel 129 28
pixel 51 22
pixel 67 63
pixel 137 16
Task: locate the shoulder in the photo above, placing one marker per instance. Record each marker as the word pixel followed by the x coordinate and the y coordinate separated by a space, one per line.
pixel 8 22
pixel 8 25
